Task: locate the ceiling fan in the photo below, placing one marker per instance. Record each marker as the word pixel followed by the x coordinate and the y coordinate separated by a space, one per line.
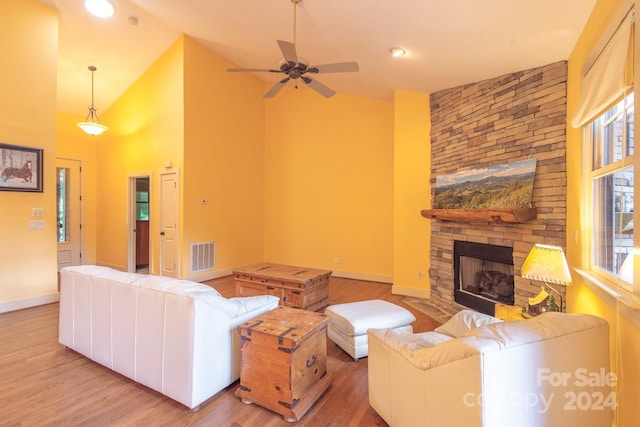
pixel 297 68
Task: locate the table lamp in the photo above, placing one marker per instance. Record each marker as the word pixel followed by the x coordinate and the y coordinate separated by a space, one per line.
pixel 547 264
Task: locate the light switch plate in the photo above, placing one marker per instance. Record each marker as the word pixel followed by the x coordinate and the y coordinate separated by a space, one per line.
pixel 36 225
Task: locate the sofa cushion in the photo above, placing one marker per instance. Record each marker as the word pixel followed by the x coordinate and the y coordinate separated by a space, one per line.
pixel 465 320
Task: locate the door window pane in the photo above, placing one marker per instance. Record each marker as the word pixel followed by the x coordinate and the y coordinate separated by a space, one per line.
pixel 142 205
pixel 62 204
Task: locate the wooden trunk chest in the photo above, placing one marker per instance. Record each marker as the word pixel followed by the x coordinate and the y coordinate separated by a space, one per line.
pixel 297 287
pixel 284 361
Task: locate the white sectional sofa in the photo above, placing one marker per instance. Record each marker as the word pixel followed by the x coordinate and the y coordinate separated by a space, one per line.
pixel 552 370
pixel 175 336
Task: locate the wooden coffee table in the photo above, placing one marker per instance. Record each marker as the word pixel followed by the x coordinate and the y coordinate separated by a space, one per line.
pixel 284 361
pixel 297 287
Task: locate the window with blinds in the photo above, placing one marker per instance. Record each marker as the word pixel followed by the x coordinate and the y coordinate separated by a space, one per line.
pixel 606 113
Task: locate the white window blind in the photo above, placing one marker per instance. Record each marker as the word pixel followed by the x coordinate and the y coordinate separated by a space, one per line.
pixel 605 81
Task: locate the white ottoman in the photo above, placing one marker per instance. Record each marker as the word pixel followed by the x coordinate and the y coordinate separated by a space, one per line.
pixel 350 322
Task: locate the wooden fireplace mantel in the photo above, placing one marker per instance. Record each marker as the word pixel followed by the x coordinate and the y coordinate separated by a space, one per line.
pixel 497 216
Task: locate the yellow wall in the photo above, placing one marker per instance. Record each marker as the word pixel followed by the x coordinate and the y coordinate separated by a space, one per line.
pixel 73 143
pixel 329 182
pixel 411 194
pixel 187 110
pixel 29 40
pixel 145 131
pixel 582 297
pixel 223 160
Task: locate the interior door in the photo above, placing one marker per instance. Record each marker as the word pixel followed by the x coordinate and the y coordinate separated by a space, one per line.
pixel 169 199
pixel 68 209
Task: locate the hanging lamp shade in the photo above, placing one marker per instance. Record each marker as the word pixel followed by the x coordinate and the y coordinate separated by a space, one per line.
pixel 92 128
pixel 91 124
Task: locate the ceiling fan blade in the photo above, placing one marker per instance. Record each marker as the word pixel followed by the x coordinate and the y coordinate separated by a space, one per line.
pixel 319 87
pixel 276 88
pixel 252 70
pixel 288 50
pixel 339 67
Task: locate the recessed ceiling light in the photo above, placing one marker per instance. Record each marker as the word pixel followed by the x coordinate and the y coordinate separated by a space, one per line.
pixel 99 8
pixel 397 51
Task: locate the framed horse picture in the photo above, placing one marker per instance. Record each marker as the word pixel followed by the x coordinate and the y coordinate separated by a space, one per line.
pixel 20 168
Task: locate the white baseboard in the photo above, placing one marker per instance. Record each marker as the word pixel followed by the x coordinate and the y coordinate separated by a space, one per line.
pixel 19 304
pixel 411 292
pixel 363 276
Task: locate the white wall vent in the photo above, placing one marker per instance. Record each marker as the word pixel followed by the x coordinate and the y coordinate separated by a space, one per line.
pixel 203 256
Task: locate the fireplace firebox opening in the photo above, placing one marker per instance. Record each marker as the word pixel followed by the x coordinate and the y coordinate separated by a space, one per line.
pixel 483 275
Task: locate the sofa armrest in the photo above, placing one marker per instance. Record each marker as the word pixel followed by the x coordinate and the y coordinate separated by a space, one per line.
pixel 241 306
pixel 405 395
pixel 424 355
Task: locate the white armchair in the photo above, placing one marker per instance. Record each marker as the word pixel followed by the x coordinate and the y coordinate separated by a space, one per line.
pixel 551 370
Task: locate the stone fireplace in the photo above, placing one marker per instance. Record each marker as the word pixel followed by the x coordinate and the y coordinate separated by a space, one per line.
pixel 514 117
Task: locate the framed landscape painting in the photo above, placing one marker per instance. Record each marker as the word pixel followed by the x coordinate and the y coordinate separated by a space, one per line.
pixel 20 168
pixel 509 185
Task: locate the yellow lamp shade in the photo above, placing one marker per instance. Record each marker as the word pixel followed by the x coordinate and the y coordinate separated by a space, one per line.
pixel 548 264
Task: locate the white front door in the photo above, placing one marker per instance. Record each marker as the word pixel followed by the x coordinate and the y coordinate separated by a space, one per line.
pixel 68 209
pixel 169 199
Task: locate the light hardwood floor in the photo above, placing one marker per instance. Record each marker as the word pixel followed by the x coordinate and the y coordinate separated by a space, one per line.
pixel 43 383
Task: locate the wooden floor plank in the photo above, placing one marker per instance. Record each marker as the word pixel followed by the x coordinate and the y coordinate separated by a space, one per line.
pixel 45 384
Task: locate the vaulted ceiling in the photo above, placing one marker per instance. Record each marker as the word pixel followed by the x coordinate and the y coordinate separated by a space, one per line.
pixel 448 43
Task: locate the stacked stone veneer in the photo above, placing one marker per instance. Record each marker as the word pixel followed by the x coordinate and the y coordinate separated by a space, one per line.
pixel 513 117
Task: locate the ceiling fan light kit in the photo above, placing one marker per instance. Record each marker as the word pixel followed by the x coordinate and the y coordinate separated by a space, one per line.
pixel 295 68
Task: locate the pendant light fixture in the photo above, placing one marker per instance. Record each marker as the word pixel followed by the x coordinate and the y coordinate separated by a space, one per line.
pixel 92 124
